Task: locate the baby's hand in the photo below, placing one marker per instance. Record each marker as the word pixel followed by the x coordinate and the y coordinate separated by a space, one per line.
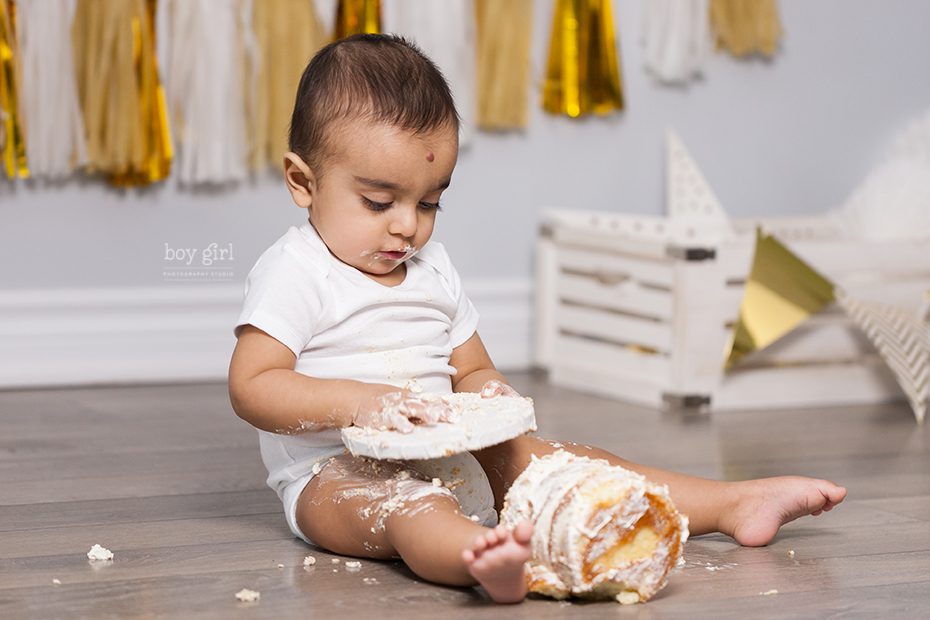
pixel 394 410
pixel 496 388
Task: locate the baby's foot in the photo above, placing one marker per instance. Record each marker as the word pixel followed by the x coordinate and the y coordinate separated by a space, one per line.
pixel 496 560
pixel 763 506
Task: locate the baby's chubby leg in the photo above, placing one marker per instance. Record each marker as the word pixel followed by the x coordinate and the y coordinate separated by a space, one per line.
pixel 751 511
pixel 380 509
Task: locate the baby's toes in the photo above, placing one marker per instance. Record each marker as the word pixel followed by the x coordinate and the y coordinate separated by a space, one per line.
pixel 491 538
pixel 468 556
pixel 523 533
pixel 479 545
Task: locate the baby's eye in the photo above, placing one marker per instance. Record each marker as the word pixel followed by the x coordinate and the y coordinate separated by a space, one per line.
pixel 430 206
pixel 376 206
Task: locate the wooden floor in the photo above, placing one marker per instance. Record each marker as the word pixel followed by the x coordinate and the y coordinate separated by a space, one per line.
pixel 171 481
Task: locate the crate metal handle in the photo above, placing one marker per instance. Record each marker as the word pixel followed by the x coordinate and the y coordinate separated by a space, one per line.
pixel 611 279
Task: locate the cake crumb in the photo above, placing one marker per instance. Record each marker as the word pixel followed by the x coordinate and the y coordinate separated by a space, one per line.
pixel 437 482
pixel 370 581
pixel 334 561
pixel 56 582
pixel 791 553
pixel 628 597
pixel 768 592
pixel 353 565
pixel 309 560
pixel 475 518
pixel 280 565
pixel 99 553
pixel 248 596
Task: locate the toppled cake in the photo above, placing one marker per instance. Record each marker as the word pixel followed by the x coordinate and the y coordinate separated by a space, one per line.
pixel 601 531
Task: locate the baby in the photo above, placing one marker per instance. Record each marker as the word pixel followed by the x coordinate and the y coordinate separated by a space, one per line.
pixel 350 316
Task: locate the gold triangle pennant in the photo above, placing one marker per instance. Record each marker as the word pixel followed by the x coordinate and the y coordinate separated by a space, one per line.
pixel 782 292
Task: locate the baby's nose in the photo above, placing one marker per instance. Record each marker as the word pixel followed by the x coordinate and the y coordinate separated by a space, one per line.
pixel 404 222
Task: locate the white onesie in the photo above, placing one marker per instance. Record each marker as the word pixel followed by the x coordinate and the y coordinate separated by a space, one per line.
pixel 341 324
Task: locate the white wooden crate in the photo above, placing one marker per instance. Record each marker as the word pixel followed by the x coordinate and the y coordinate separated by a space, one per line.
pixel 634 307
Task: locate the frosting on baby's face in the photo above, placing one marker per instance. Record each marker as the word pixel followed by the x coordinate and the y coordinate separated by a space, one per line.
pixel 375 205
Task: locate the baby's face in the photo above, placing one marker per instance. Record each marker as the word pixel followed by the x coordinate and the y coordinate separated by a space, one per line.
pixel 376 203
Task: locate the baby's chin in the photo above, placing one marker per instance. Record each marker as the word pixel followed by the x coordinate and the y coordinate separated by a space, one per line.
pixel 375 267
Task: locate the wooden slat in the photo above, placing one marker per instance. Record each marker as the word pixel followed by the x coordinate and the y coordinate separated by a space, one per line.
pixel 647 271
pixel 610 358
pixel 627 297
pixel 619 328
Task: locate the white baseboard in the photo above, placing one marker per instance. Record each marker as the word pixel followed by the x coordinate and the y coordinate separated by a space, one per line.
pixel 182 333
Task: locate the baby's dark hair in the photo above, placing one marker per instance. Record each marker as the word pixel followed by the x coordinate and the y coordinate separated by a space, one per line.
pixel 384 78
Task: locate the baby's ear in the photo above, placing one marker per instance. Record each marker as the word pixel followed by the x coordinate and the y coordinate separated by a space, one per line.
pixel 300 180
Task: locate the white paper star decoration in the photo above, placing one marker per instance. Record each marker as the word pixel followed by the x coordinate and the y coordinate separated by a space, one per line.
pixel 903 341
pixel 690 199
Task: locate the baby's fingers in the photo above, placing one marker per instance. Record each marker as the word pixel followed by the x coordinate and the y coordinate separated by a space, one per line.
pixel 495 388
pixel 421 410
pixel 400 423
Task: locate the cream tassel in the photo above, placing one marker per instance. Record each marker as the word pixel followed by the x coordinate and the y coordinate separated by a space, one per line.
pixel 210 46
pixel 445 31
pixel 55 143
pixel 676 38
pixel 504 30
pixel 746 27
pixel 288 34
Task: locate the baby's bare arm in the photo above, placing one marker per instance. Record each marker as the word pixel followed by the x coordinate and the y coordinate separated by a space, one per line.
pixel 269 394
pixel 473 365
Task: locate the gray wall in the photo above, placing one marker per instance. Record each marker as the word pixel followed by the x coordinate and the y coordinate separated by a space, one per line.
pixel 790 136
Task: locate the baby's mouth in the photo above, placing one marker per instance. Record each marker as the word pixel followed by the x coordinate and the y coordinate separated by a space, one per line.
pixel 397 255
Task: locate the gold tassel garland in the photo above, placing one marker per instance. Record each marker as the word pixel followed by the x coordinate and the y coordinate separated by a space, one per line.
pixel 289 33
pixel 123 101
pixel 504 30
pixel 746 27
pixel 583 74
pixel 357 17
pixel 12 125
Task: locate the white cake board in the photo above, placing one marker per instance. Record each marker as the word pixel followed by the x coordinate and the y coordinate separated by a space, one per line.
pixel 482 422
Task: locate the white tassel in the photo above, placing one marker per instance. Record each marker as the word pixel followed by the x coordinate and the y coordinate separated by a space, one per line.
pixel 676 38
pixel 205 66
pixel 893 202
pixel 55 141
pixel 326 11
pixel 445 31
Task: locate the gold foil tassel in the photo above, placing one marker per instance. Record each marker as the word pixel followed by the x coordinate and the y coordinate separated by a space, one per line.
pixel 503 68
pixel 583 74
pixel 125 112
pixel 12 125
pixel 289 33
pixel 746 27
pixel 357 17
pixel 781 292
